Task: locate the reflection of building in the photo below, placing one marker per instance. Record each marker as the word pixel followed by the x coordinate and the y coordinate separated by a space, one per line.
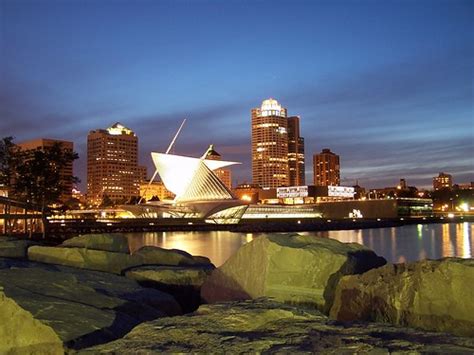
pixel 224 174
pixel 326 168
pixel 155 189
pixel 270 145
pixel 112 165
pixel 296 172
pixel 66 172
pixel 442 181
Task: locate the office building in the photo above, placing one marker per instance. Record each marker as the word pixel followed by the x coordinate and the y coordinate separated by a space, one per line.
pixel 296 166
pixel 270 145
pixel 442 181
pixel 112 165
pixel 326 168
pixel 225 175
pixel 66 172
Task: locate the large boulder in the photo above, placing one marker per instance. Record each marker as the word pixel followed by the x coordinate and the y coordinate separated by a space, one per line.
pixel 84 258
pixel 430 294
pixel 289 268
pixel 260 326
pixel 14 248
pixel 151 255
pixel 182 282
pixel 21 333
pixel 114 242
pixel 82 307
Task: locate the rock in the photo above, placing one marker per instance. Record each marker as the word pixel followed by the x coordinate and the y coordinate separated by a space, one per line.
pixel 430 294
pixel 261 326
pixel 114 242
pixel 82 307
pixel 158 256
pixel 14 248
pixel 21 333
pixel 84 258
pixel 182 282
pixel 289 268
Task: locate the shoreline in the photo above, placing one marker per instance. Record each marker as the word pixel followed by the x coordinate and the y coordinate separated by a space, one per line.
pixel 59 232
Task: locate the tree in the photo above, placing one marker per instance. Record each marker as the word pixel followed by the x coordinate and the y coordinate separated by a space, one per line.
pixel 35 177
pixel 8 157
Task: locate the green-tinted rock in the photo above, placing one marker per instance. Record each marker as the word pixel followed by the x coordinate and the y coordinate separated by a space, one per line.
pixel 182 282
pixel 289 268
pixel 254 327
pixel 82 307
pixel 114 242
pixel 14 248
pixel 431 294
pixel 151 255
pixel 84 258
pixel 21 333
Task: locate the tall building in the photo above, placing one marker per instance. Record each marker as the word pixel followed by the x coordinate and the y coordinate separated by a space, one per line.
pixel 223 174
pixel 326 168
pixel 112 165
pixel 66 172
pixel 270 145
pixel 442 181
pixel 296 166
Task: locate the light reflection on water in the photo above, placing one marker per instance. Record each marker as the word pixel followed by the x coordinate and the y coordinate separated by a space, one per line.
pixel 396 244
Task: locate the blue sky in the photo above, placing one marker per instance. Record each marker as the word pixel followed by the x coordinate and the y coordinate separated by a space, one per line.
pixel 388 85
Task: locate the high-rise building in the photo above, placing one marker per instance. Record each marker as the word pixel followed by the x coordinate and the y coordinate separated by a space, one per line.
pixel 296 166
pixel 326 168
pixel 66 172
pixel 112 165
pixel 223 174
pixel 270 145
pixel 442 181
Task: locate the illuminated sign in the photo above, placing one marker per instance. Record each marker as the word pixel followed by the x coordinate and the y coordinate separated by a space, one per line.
pixel 340 191
pixel 292 191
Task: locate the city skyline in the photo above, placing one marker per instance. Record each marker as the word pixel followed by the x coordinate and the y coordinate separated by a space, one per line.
pixel 388 87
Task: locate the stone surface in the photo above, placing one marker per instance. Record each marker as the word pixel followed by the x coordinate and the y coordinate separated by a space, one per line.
pixel 182 282
pixel 151 255
pixel 289 268
pixel 21 333
pixel 114 242
pixel 259 326
pixel 82 307
pixel 431 294
pixel 84 258
pixel 14 248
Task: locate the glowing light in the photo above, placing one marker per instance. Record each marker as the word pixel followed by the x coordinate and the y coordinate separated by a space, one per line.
pixel 246 198
pixel 464 207
pixel 450 215
pixel 271 107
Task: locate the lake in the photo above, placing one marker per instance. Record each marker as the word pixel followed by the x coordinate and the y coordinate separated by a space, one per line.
pixel 396 244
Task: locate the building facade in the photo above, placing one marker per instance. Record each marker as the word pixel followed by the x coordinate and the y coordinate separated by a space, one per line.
pixel 112 165
pixel 296 166
pixel 66 172
pixel 326 169
pixel 225 175
pixel 270 145
pixel 442 181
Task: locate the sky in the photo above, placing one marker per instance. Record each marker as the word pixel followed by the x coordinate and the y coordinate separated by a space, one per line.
pixel 387 85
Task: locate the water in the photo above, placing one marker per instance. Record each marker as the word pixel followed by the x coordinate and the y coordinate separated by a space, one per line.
pixel 396 244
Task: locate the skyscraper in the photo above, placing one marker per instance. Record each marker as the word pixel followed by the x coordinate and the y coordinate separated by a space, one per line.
pixel 112 165
pixel 326 168
pixel 296 166
pixel 270 145
pixel 66 172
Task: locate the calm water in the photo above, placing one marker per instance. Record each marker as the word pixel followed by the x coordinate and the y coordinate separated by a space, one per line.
pixel 397 244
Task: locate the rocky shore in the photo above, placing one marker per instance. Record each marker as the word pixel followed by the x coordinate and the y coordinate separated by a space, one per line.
pixel 278 293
